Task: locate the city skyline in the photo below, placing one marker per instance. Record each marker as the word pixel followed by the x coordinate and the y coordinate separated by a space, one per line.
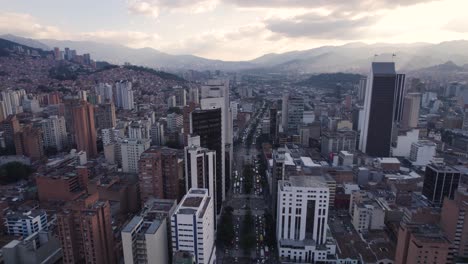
pixel 237 30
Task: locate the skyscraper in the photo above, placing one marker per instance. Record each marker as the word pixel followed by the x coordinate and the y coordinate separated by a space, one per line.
pixel 124 95
pixel 131 150
pixel 105 116
pixel 10 126
pixel 54 132
pixel 200 168
pixel 144 240
pixel 440 181
pixel 382 93
pixel 454 223
pixel 215 94
pixel 85 231
pixel 160 174
pixel 400 93
pixel 193 228
pixel 292 113
pixel 411 110
pixel 207 124
pixel 28 142
pixel 84 127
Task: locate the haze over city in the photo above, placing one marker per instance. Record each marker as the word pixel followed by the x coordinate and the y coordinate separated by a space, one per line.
pixel 236 29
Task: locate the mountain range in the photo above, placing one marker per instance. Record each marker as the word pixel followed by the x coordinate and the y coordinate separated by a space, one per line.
pixel 353 57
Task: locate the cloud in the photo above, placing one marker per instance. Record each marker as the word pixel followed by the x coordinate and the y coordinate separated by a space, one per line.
pixel 153 8
pixel 459 25
pixel 26 25
pixel 331 4
pixel 135 39
pixel 334 26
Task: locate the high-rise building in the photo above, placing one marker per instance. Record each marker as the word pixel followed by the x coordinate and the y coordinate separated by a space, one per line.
pixel 292 112
pixel 84 128
pixel 192 226
pixel 54 132
pixel 124 95
pixel 10 126
pixel 273 123
pixel 400 93
pixel 174 122
pixel 181 96
pixel 453 222
pixel 157 134
pixel 105 116
pixel 131 150
pixel 215 94
pixel 188 109
pixel 28 142
pixel 302 219
pixel 200 169
pixel 419 243
pixel 382 95
pixel 207 124
pixel 144 240
pixel 440 181
pixel 160 174
pixel 85 231
pixel 411 106
pixel 161 209
pixel 105 91
pixel 25 223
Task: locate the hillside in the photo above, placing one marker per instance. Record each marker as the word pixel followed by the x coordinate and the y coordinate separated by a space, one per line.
pixel 332 80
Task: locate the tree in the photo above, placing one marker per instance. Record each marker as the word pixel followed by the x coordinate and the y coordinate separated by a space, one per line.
pixel 226 227
pixel 270 234
pixel 248 178
pixel 13 172
pixel 248 234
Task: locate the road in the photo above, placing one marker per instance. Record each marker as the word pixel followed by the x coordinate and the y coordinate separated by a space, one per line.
pixel 242 202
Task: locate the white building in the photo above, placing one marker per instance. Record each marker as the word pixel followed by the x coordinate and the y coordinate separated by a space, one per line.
pixel 31 105
pixel 234 109
pixel 266 126
pixel 18 223
pixel 54 132
pixel 308 117
pixel 422 152
pixel 105 91
pixel 302 233
pixel 145 241
pixel 200 168
pixel 174 122
pixel 345 158
pixel 130 150
pixel 109 135
pixel 366 213
pixel 124 95
pixel 13 101
pixel 193 227
pixel 404 142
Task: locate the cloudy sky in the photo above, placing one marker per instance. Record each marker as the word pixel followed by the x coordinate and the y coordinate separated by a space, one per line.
pixel 236 29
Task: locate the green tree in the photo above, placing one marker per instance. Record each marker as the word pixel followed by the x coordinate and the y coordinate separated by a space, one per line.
pixel 13 172
pixel 248 178
pixel 270 234
pixel 248 235
pixel 226 227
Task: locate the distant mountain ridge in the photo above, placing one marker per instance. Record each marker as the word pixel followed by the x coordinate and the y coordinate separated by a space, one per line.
pixel 352 57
